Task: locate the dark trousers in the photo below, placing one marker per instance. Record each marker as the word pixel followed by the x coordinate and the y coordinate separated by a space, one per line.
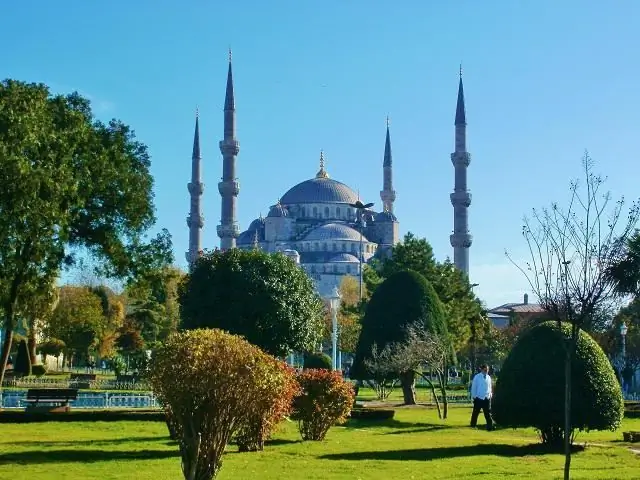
pixel 485 406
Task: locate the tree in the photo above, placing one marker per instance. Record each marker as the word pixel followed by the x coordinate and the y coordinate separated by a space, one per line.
pixel 264 297
pixel 573 251
pixel 129 339
pixel 209 382
pixel 77 321
pixel 37 309
pixel 625 273
pixel 403 300
pixel 68 181
pixel 518 402
pixel 451 284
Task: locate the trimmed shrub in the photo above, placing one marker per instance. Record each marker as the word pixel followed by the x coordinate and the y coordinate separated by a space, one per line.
pixel 325 399
pixel 38 370
pixel 317 360
pixel 530 391
pixel 22 367
pixel 272 403
pixel 208 382
pixel 372 414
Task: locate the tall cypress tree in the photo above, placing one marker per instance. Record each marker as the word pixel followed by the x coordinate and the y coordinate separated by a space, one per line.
pixel 22 366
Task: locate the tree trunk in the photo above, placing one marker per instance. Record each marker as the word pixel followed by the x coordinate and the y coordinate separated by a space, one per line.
pixel 6 350
pixel 31 344
pixel 443 389
pixel 408 382
pixel 433 394
pixel 567 405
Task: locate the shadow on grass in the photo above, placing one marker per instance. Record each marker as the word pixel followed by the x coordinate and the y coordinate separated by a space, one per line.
pixel 280 441
pixel 501 450
pixel 402 427
pixel 74 443
pixel 84 456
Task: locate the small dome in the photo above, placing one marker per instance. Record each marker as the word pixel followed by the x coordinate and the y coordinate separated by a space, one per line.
pixel 335 231
pixel 344 257
pixel 256 224
pixel 385 217
pixel 319 190
pixel 278 211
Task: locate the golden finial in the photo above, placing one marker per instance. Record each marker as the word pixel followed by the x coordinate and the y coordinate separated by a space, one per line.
pixel 322 173
pixel 230 55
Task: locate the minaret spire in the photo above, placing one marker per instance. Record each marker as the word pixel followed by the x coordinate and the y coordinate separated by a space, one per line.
pixel 461 239
pixel 195 220
pixel 387 194
pixel 229 187
pixel 322 173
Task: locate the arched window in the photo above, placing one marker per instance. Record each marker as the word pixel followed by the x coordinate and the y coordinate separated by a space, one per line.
pixel 302 212
pixel 324 247
pixel 348 268
pixel 316 246
pixel 326 212
pixel 335 269
pixel 344 247
pixel 337 212
pixel 315 212
pixel 335 247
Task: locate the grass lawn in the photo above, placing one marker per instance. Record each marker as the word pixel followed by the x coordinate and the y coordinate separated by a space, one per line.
pixel 414 445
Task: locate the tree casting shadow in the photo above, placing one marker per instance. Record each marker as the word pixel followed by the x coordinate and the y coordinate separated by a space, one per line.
pixel 402 427
pixel 66 456
pixel 74 443
pixel 437 453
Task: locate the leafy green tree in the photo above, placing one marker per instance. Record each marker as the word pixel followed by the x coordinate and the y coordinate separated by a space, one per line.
pixel 518 402
pixel 264 297
pixel 68 181
pixel 452 286
pixel 77 320
pixel 404 300
pixel 130 339
pixel 625 272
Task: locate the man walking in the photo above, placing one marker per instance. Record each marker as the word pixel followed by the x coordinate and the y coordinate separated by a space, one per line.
pixel 481 393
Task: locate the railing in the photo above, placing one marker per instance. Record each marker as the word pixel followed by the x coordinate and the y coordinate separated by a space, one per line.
pixel 16 399
pixel 44 382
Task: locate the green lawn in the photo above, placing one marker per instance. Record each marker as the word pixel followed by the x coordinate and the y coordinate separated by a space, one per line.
pixel 415 445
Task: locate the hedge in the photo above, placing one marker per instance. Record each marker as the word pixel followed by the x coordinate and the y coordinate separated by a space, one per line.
pixel 138 415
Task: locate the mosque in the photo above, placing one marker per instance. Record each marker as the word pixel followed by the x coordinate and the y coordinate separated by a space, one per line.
pixel 318 222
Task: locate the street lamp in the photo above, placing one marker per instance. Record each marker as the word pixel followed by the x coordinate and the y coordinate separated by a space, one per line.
pixel 623 334
pixel 334 300
pixel 360 208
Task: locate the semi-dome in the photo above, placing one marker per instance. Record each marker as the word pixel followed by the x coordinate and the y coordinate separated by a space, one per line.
pixel 385 217
pixel 277 211
pixel 344 257
pixel 319 190
pixel 257 224
pixel 334 231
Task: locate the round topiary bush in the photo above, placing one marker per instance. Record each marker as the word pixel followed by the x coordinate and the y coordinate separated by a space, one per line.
pixel 530 391
pixel 317 360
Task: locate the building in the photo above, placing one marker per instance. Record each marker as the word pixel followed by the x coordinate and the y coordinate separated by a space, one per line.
pixel 513 313
pixel 316 221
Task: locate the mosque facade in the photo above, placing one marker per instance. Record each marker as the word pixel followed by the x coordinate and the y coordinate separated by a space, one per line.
pixel 319 222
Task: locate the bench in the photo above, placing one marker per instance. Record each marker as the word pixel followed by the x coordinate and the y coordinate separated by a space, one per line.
pixel 50 399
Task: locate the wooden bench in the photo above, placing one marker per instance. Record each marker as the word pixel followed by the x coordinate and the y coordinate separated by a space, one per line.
pixel 50 399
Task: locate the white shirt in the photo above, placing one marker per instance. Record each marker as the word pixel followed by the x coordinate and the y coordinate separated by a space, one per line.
pixel 481 386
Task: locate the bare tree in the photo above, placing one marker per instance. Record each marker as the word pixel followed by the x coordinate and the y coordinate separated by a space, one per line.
pixel 572 252
pixel 383 367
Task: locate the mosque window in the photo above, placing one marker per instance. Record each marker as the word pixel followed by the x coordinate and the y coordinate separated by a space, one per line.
pixel 302 212
pixel 344 247
pixel 324 247
pixel 316 246
pixel 315 211
pixel 335 269
pixel 337 212
pixel 348 268
pixel 326 212
pixel 335 247
pixel 313 269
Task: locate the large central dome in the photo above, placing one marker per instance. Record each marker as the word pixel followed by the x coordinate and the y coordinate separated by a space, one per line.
pixel 319 190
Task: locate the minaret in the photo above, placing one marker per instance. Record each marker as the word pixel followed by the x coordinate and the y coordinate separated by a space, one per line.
pixel 387 194
pixel 195 220
pixel 461 198
pixel 229 187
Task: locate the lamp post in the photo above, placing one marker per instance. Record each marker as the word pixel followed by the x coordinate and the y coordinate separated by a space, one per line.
pixel 473 339
pixel 623 335
pixel 334 300
pixel 360 208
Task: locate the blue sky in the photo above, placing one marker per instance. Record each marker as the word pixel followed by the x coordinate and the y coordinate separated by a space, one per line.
pixel 544 81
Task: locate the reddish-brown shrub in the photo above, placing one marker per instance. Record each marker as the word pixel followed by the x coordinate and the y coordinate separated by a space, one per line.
pixel 271 403
pixel 207 382
pixel 325 399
